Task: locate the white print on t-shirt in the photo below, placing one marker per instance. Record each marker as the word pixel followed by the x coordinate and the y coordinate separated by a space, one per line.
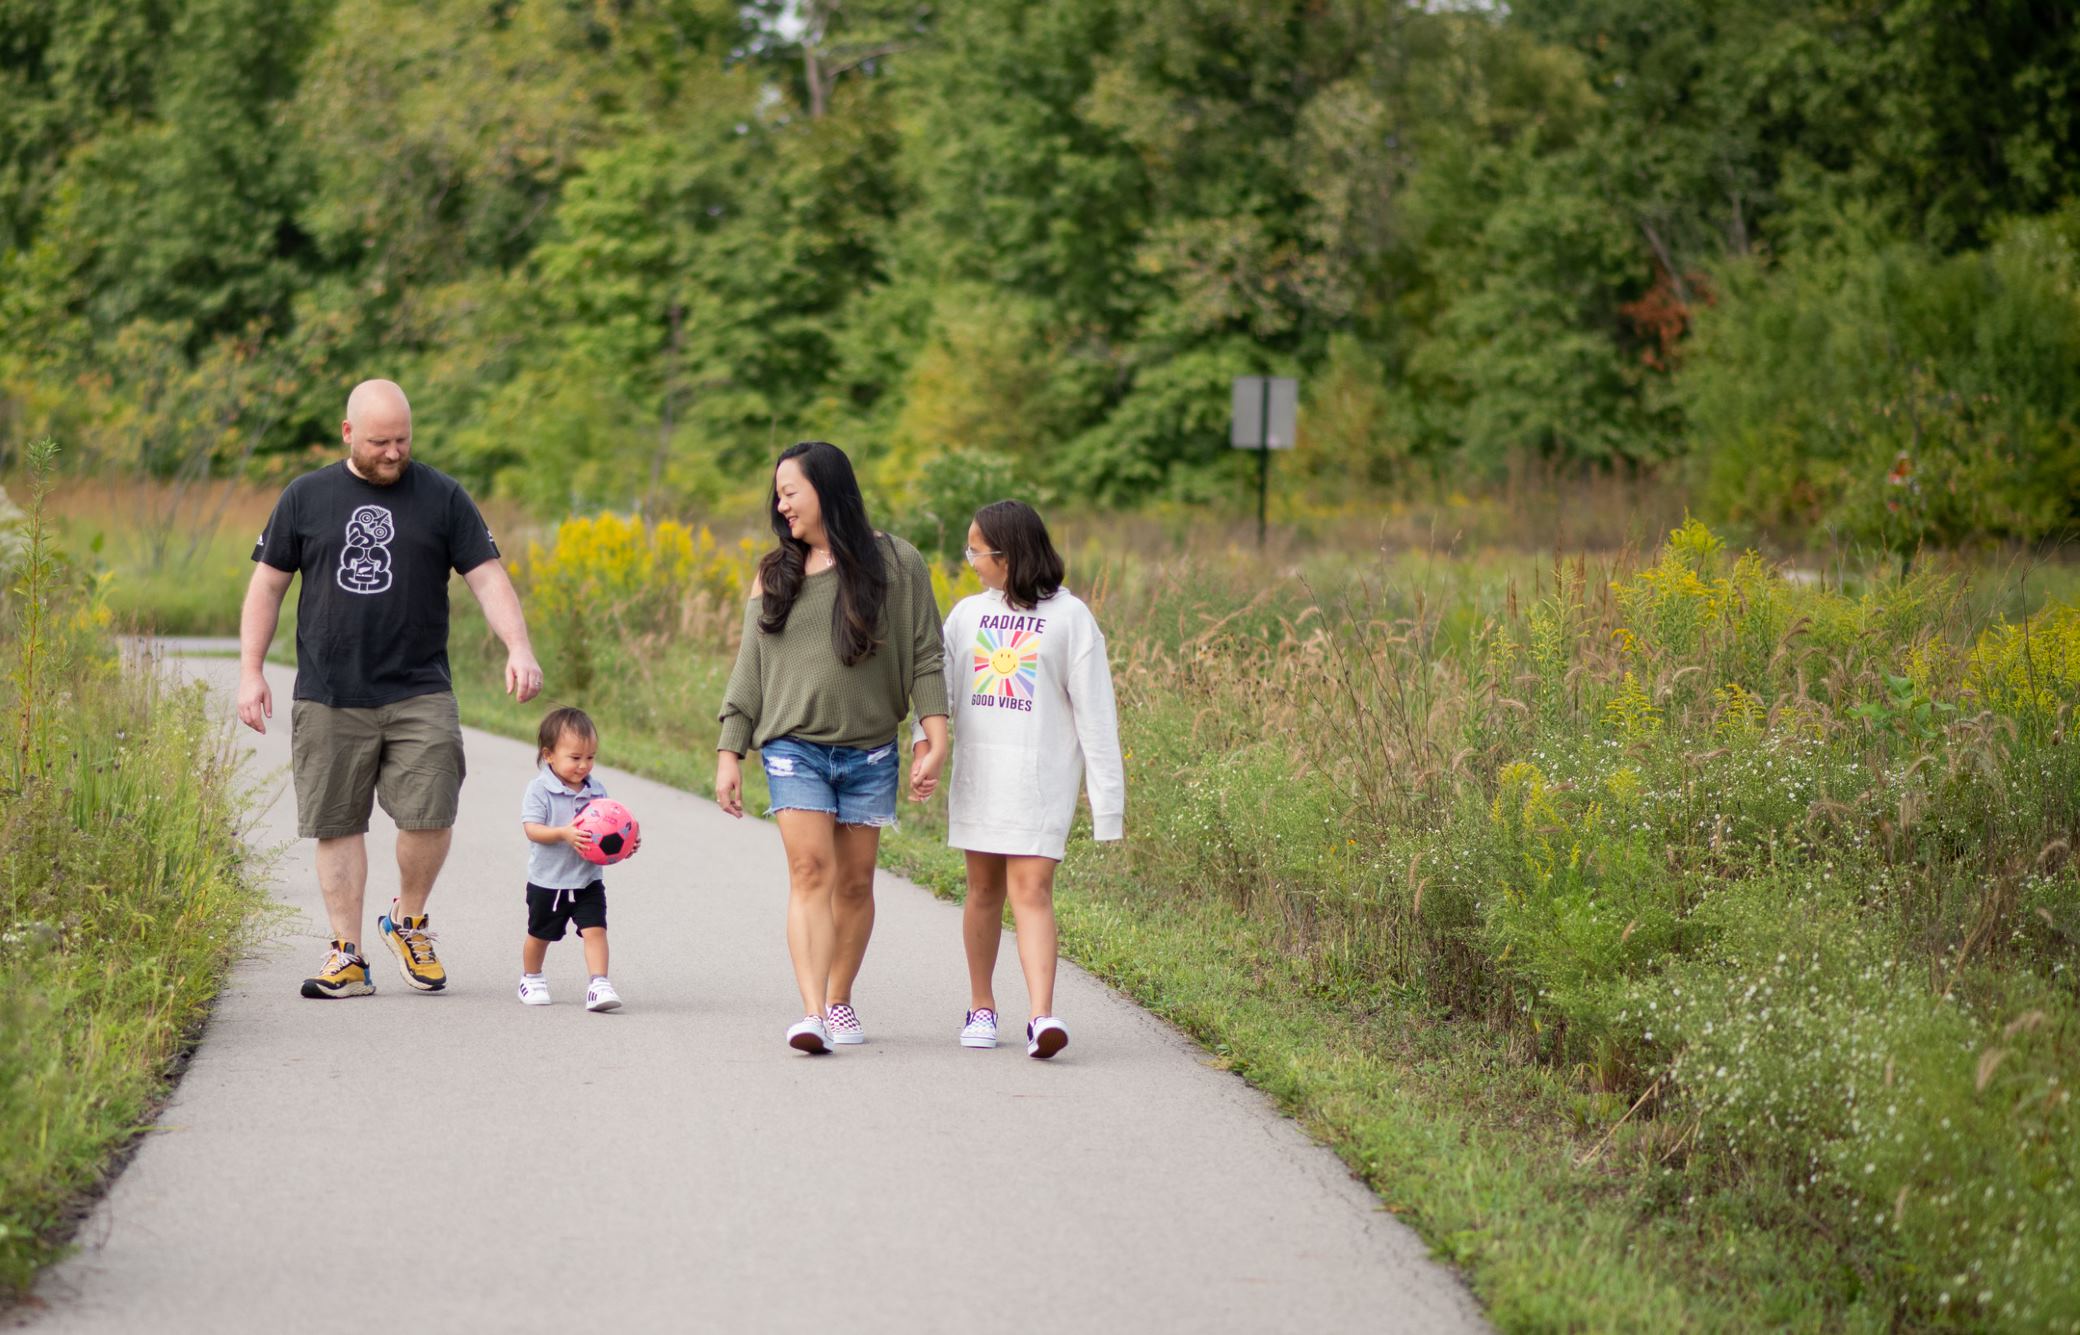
pixel 364 567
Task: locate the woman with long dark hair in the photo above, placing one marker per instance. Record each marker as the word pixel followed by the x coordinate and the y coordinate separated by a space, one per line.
pixel 841 640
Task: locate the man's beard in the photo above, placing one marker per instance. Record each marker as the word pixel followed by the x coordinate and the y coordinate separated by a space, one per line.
pixel 376 473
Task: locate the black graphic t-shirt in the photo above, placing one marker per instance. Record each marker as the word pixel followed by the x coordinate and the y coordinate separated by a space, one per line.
pixel 372 616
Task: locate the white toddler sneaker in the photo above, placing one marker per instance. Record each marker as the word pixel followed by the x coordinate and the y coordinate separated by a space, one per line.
pixel 534 990
pixel 601 996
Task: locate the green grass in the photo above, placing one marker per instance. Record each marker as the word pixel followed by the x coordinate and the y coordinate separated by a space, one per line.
pixel 126 891
pixel 167 561
pixel 202 598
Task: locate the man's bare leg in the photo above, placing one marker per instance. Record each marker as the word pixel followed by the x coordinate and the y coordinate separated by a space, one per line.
pixel 343 880
pixel 420 855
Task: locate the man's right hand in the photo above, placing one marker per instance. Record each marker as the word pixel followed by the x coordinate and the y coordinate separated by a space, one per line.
pixel 255 701
pixel 256 623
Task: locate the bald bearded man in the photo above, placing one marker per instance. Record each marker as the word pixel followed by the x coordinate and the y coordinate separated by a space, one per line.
pixel 374 537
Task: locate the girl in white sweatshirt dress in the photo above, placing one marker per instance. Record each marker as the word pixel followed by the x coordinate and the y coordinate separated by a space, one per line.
pixel 1033 719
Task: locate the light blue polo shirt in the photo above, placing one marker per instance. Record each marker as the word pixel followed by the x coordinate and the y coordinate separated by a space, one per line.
pixel 550 802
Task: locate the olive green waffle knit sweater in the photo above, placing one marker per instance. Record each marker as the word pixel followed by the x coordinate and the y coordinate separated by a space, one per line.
pixel 792 684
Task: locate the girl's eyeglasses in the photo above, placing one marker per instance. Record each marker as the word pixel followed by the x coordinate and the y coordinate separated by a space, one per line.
pixel 971 553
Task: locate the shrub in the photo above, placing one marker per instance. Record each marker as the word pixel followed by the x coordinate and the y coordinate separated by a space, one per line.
pixel 608 579
pixel 1895 396
pixel 2032 669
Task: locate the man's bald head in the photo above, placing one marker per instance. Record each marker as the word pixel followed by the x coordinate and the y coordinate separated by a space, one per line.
pixel 378 432
pixel 377 396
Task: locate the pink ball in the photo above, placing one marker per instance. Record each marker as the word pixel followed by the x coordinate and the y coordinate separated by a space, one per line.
pixel 613 830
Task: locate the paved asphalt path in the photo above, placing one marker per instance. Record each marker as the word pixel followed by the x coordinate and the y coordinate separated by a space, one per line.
pixel 456 1162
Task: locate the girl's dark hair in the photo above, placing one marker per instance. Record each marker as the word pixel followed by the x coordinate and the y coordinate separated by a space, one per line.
pixel 1032 567
pixel 564 720
pixel 862 575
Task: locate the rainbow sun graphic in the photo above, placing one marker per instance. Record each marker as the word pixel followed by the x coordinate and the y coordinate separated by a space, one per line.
pixel 1007 663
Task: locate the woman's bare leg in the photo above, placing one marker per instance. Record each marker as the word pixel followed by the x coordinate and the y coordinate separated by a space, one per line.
pixel 810 840
pixel 852 907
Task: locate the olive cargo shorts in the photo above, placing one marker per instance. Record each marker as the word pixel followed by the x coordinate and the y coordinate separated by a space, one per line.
pixel 407 753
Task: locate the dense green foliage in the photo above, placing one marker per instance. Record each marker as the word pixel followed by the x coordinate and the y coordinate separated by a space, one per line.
pixel 617 250
pixel 1677 945
pixel 125 892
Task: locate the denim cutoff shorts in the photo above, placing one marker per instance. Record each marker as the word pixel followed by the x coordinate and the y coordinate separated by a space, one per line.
pixel 856 785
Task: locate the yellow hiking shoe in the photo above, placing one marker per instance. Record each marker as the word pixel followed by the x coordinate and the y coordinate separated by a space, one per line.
pixel 412 943
pixel 344 974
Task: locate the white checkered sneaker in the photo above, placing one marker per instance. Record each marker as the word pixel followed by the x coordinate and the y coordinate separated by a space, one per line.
pixel 601 996
pixel 808 1035
pixel 1046 1036
pixel 981 1029
pixel 534 990
pixel 844 1025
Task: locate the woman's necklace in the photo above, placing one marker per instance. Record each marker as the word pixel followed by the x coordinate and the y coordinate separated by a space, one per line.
pixel 816 555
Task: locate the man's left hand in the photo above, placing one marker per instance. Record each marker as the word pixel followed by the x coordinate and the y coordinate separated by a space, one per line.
pixel 523 677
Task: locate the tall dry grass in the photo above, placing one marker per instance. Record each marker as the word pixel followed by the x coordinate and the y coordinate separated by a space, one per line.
pixel 174 558
pixel 1787 870
pixel 125 889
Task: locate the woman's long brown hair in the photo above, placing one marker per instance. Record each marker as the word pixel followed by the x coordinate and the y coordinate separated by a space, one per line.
pixel 862 572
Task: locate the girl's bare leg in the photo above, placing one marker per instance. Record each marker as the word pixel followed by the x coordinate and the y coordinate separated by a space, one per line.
pixel 1031 885
pixel 982 926
pixel 595 950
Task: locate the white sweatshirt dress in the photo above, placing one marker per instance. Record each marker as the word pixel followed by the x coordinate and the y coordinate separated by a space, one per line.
pixel 1031 707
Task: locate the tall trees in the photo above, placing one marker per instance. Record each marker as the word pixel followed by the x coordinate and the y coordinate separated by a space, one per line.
pixel 622 247
pixel 68 69
pixel 161 228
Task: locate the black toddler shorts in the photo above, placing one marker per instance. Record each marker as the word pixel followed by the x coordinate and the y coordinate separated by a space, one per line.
pixel 549 910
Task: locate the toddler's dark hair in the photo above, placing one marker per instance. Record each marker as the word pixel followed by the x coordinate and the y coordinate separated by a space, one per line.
pixel 565 719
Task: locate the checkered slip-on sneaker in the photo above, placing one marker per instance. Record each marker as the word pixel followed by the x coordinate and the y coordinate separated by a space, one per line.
pixel 981 1029
pixel 843 1022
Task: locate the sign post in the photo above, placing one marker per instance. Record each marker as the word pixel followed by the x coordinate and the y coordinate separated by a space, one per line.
pixel 1265 417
